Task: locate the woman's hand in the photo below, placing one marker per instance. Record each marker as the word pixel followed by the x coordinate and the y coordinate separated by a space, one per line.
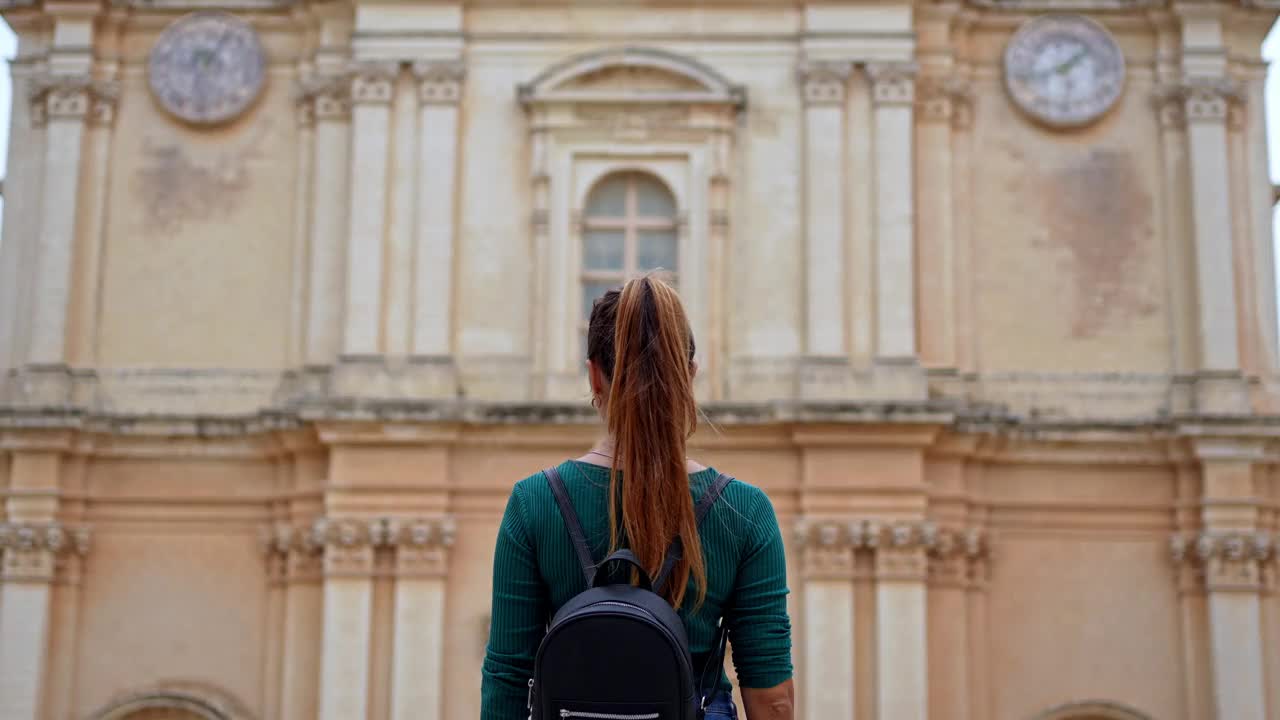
pixel 775 703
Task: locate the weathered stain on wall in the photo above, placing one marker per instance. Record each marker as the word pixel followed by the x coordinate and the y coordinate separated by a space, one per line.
pixel 1098 217
pixel 174 188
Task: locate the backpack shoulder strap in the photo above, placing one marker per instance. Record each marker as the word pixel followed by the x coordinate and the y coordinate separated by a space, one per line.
pixel 700 512
pixel 710 497
pixel 572 524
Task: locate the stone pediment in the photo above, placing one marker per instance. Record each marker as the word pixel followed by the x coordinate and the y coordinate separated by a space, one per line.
pixel 629 76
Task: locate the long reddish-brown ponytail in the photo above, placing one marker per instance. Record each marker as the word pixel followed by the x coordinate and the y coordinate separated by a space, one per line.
pixel 640 338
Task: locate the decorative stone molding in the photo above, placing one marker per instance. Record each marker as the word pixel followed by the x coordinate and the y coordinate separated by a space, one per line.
pixel 350 547
pixel 323 96
pixel 824 82
pixel 912 551
pixel 556 84
pixel 421 546
pixel 327 95
pixel 439 83
pixel 228 5
pixel 1197 99
pixel 945 100
pixel 102 106
pixel 892 83
pixel 625 123
pixel 187 698
pixel 373 83
pixel 1224 561
pixel 1095 709
pixel 828 548
pixel 41 551
pixel 1022 6
pixel 71 97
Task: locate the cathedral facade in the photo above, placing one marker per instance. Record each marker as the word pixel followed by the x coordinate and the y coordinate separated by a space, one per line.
pixel 292 292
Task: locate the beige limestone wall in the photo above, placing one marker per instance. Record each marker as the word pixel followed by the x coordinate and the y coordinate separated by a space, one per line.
pixel 1080 602
pixel 1069 265
pixel 186 208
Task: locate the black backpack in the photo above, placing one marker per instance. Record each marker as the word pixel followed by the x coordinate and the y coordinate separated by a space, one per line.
pixel 617 651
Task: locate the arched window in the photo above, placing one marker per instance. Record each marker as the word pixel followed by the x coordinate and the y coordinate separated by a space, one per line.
pixel 628 228
pixel 1091 710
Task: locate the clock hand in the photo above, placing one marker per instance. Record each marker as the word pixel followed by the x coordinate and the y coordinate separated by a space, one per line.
pixel 1065 67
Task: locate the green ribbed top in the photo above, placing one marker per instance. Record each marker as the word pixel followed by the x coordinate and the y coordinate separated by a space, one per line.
pixel 535 572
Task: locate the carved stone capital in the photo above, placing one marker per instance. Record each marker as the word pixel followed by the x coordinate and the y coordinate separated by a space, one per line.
pixel 323 96
pixel 421 546
pixel 828 548
pixel 42 552
pixel 439 83
pixel 102 103
pixel 373 83
pixel 72 97
pixel 350 547
pixel 824 82
pixel 958 558
pixel 1225 561
pixel 899 551
pixel 945 100
pixel 1197 99
pixel 892 83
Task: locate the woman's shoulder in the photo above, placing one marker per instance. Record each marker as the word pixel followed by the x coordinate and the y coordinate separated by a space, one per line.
pixel 739 488
pixel 743 503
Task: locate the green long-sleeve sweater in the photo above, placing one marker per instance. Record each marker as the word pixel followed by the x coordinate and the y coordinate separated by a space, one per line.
pixel 535 572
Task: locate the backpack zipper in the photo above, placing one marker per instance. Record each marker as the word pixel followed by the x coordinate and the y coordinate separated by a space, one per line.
pixel 608 716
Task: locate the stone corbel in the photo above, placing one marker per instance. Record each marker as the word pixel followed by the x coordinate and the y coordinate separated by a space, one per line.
pixel 824 82
pixel 439 83
pixel 892 83
pixel 42 552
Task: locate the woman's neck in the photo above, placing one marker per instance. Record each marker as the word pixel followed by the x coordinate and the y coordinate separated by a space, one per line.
pixel 602 454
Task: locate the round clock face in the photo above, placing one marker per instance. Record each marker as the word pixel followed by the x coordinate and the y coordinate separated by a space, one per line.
pixel 207 68
pixel 1065 71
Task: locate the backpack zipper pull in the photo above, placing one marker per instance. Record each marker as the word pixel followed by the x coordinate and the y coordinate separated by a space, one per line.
pixel 529 701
